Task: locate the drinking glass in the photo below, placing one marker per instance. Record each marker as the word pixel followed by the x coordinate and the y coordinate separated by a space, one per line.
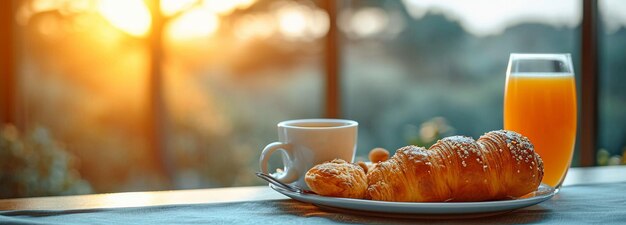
pixel 540 103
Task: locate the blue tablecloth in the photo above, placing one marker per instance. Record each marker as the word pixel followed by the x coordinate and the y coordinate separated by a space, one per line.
pixel 595 204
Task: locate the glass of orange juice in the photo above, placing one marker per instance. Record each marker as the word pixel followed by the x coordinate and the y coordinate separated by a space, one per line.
pixel 540 103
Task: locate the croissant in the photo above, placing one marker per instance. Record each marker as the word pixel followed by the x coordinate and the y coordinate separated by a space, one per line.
pixel 500 164
pixel 337 178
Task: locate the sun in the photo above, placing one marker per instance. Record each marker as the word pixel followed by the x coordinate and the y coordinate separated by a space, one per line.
pixel 131 16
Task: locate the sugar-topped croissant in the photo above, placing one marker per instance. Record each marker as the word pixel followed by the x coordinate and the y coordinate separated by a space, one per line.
pixel 500 164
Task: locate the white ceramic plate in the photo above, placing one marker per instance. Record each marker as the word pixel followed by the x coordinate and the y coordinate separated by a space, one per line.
pixel 543 193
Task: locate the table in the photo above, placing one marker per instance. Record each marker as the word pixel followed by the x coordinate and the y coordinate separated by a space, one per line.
pixel 252 199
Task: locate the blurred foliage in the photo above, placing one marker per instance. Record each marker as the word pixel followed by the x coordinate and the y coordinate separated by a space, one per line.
pixel 604 158
pixel 36 165
pixel 429 132
pixel 612 91
pixel 434 68
pixel 224 94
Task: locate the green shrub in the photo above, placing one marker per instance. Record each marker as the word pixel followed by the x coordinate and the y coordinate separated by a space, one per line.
pixel 36 165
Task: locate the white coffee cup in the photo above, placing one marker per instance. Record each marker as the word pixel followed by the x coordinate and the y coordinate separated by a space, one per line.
pixel 308 142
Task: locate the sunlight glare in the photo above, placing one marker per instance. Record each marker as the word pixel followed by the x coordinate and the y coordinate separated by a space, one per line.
pixel 254 26
pixel 126 199
pixel 130 16
pixel 224 7
pixel 71 7
pixel 369 21
pixel 196 23
pixel 297 21
pixel 171 7
pixel 292 21
pixel 44 5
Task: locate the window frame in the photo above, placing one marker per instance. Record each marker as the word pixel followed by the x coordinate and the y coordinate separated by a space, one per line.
pixel 10 104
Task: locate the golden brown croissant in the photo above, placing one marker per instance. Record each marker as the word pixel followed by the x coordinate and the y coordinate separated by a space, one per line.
pixel 337 178
pixel 500 164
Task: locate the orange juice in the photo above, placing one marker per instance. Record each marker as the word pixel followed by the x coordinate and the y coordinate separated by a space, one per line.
pixel 543 108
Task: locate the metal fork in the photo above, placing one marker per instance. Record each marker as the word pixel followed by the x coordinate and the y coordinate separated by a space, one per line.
pixel 280 184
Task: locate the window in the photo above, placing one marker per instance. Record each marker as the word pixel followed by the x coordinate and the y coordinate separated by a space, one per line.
pixel 611 82
pixel 411 69
pixel 226 73
pixel 140 95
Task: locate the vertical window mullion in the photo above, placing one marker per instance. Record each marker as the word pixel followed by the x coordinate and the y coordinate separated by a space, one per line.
pixel 157 118
pixel 589 83
pixel 331 61
pixel 7 64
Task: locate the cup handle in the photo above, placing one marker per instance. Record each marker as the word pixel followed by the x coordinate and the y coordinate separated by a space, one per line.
pixel 289 175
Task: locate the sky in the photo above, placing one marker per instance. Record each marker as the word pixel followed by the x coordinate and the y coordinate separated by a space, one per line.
pixel 614 14
pixel 492 17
